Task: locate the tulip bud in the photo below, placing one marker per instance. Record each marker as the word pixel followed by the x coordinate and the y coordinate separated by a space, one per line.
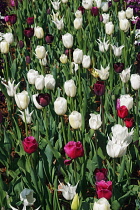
pixel 40 52
pixel 121 15
pixel 129 122
pixel 30 20
pixel 38 32
pixel 94 11
pixel 29 32
pixel 109 28
pixel 77 56
pixel 49 82
pixel 22 99
pixel 75 202
pixel 135 81
pixel 60 106
pixel 99 88
pixel 86 61
pixel 129 12
pixel 104 6
pixel 39 82
pixel 95 121
pixel 78 23
pixel 9 38
pixel 75 120
pixel 21 44
pixel 67 40
pixel 4 47
pixel 124 25
pixel 28 59
pixel 87 4
pixel 64 58
pixel 70 88
pixel 49 38
pixel 31 76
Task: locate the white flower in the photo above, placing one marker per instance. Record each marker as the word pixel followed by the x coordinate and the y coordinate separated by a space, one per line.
pixel 11 90
pixel 59 23
pixel 74 66
pixel 49 82
pixel 104 6
pixel 22 99
pixel 38 32
pixel 27 197
pixel 43 61
pixel 9 38
pixel 105 18
pixel 4 47
pixel 87 4
pixel 75 120
pixel 121 15
pixel 67 40
pixel 124 25
pixel 40 52
pixel 135 81
pixel 64 58
pixel 126 100
pixel 109 28
pixel 78 14
pixel 39 82
pixel 78 23
pixel 60 106
pixel 64 1
pixel 56 5
pixel 70 88
pixel 101 204
pixel 125 75
pixel 55 16
pixel 98 3
pixel 27 115
pixel 86 61
pixel 31 76
pixel 129 12
pixel 37 105
pixel 117 50
pixel 77 56
pixel 95 121
pixel 103 46
pixel 68 191
pixel 103 73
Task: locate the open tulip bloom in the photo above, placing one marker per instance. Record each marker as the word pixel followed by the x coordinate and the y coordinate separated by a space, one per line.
pixel 68 191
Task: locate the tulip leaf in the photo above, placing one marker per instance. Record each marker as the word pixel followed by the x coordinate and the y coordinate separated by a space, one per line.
pixel 115 205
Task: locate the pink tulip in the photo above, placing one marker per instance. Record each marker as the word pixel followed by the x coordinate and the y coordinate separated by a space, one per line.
pixel 74 149
pixel 104 189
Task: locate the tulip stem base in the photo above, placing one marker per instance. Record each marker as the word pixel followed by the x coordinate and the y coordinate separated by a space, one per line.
pixel 26 128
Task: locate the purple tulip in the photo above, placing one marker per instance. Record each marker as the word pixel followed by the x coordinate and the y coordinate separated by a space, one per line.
pixel 30 20
pixel 118 67
pixel 49 38
pixel 99 88
pixel 43 99
pixel 94 11
pixel 29 32
pixel 21 44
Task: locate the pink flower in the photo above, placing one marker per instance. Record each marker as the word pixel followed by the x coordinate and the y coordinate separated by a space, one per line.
pixel 104 189
pixel 30 144
pixel 100 174
pixel 118 104
pixel 74 149
pixel 67 162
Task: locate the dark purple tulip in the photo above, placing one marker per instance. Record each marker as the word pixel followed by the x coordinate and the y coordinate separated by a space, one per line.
pixel 110 3
pixel 48 11
pixel 1 117
pixel 69 52
pixel 118 67
pixel 30 20
pixel 43 99
pixel 21 44
pixel 99 88
pixel 28 59
pixel 94 11
pixel 49 38
pixel 82 9
pixel 29 32
pixel 11 18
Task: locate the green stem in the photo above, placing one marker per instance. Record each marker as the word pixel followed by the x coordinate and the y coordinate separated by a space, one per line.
pixel 64 136
pixel 114 177
pixel 75 171
pixel 137 109
pixel 102 112
pixel 26 128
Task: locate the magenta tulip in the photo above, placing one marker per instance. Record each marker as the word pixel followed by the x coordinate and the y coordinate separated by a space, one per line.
pixel 74 149
pixel 104 189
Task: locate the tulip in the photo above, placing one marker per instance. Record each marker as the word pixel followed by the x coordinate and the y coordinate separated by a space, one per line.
pixel 27 115
pixel 78 56
pixel 39 82
pixel 38 32
pixel 37 105
pixel 103 46
pixel 49 82
pixel 40 52
pixel 74 149
pixel 9 38
pixel 11 90
pixel 124 25
pixel 67 162
pixel 104 189
pixel 68 191
pixel 105 18
pixel 13 3
pixel 100 174
pixel 64 58
pixel 43 99
pixel 59 23
pixel 82 9
pixel 129 122
pixel 94 11
pixel 126 100
pixel 22 99
pixel 98 3
pixel 29 32
pixel 118 67
pixel 64 1
pixel 75 120
pixel 56 5
pixel 78 14
pixel 78 23
pixel 129 12
pixel 109 28
pixel 21 44
pixel 117 50
pixel 104 6
pixel 49 38
pixel 11 18
pixel 95 121
pixel 135 81
pixel 122 112
pixel 27 195
pixel 87 4
pixel 86 61
pixel 43 61
pixel 31 76
pixel 30 20
pixel 4 47
pixel 60 106
pixel 28 60
pixel 121 15
pixel 67 40
pixel 75 203
pixel 70 88
pixel 103 73
pixel 125 75
pixel 99 88
pixel 101 204
pixel 69 52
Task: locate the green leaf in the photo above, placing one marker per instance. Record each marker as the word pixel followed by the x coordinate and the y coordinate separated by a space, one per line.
pixel 115 205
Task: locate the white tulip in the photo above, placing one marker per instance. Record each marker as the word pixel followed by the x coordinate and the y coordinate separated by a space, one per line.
pixel 109 28
pixel 74 67
pixel 103 46
pixel 86 61
pixel 56 5
pixel 64 1
pixel 78 22
pixel 49 82
pixel 87 4
pixel 78 14
pixel 70 88
pixel 64 58
pixel 103 73
pixel 27 115
pixel 126 100
pixel 67 40
pixel 39 82
pixel 95 121
pixel 40 52
pixel 117 50
pixel 43 61
pixel 60 106
pixel 38 32
pixel 98 3
pixel 9 38
pixel 31 76
pixel 59 23
pixel 129 12
pixel 135 81
pixel 4 47
pixel 101 204
pixel 104 6
pixel 68 191
pixel 11 90
pixel 121 15
pixel 78 56
pixel 27 197
pixel 75 120
pixel 124 25
pixel 125 75
pixel 105 18
pixel 22 99
pixel 37 105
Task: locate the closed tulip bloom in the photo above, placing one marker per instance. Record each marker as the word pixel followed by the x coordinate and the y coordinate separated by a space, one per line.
pixel 59 23
pixel 95 121
pixel 39 82
pixel 60 106
pixel 109 28
pixel 75 202
pixel 28 59
pixel 11 18
pixel 135 81
pixel 64 58
pixel 49 82
pixel 21 44
pixel 126 100
pixel 99 88
pixel 29 32
pixel 104 6
pixel 40 52
pixel 122 112
pixel 30 145
pixel 30 20
pixel 11 89
pixel 9 38
pixel 4 47
pixel 27 115
pixel 118 67
pixel 94 11
pixel 38 32
pixel 124 25
pixel 103 73
pixel 78 56
pixel 125 75
pixel 70 88
pixel 101 204
pixel 82 9
pixel 104 189
pixel 98 3
pixel 31 76
pixel 117 50
pixel 22 99
pixel 75 120
pixel 129 122
pixel 100 174
pixel 105 18
pixel 121 15
pixel 78 14
pixel 68 191
pixel 74 149
pixel 87 4
pixel 129 12
pixel 56 5
pixel 78 23
pixel 67 40
pixel 49 38
pixel 86 61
